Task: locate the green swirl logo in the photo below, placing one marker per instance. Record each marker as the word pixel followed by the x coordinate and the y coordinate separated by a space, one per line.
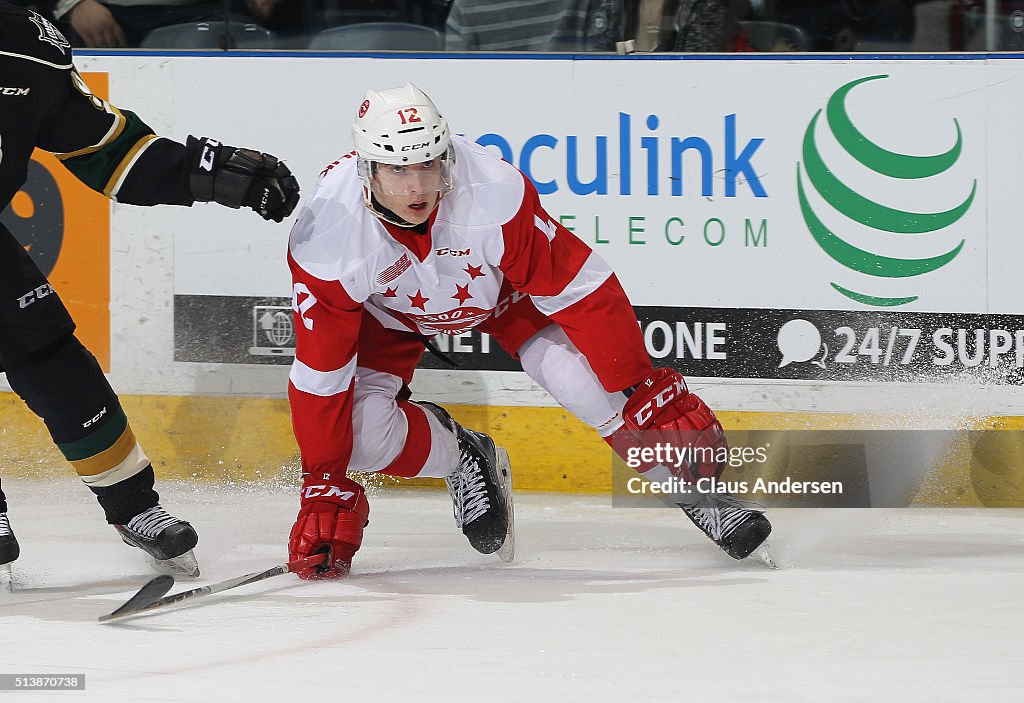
pixel 860 209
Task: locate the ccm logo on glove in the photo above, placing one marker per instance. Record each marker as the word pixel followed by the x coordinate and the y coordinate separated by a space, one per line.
pixel 209 154
pixel 662 399
pixel 320 492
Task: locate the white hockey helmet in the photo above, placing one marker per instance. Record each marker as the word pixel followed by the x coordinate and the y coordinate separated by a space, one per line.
pixel 395 128
pixel 400 126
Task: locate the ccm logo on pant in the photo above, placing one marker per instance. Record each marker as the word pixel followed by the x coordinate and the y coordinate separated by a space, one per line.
pixel 34 295
pixel 96 419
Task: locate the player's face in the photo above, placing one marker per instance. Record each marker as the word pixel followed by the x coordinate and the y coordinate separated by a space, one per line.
pixel 412 191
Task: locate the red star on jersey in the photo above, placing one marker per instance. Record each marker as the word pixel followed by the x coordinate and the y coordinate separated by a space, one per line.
pixel 418 301
pixel 474 272
pixel 462 293
pixel 390 292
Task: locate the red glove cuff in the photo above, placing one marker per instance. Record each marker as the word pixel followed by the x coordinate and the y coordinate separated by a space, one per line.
pixel 663 411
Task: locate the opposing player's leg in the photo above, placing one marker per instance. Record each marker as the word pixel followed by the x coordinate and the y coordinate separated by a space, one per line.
pixel 550 358
pixel 9 549
pixel 62 383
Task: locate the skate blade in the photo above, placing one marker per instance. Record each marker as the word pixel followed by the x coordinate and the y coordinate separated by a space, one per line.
pixel 764 554
pixel 6 579
pixel 507 551
pixel 185 564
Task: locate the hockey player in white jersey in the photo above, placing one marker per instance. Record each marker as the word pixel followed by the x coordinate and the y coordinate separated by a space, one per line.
pixel 375 272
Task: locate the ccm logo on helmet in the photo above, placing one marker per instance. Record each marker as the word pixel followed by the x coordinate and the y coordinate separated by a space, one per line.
pixel 646 411
pixel 319 492
pixel 413 147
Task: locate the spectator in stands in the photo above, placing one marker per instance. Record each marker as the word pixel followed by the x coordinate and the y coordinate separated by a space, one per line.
pixel 697 25
pixel 534 25
pixel 710 26
pixel 124 23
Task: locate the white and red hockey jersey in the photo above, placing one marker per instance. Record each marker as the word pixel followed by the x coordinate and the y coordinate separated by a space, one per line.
pixel 489 245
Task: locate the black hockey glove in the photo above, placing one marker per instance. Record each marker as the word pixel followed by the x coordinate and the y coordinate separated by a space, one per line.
pixel 235 177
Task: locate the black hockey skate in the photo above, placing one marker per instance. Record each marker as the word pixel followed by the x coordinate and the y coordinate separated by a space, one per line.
pixel 481 490
pixel 9 551
pixel 166 538
pixel 737 526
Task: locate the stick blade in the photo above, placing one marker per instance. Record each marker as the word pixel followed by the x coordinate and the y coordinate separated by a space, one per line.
pixel 153 591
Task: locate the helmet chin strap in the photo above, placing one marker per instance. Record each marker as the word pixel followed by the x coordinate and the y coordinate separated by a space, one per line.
pixel 374 206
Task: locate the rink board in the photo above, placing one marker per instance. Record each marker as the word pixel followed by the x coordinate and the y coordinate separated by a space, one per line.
pixel 807 236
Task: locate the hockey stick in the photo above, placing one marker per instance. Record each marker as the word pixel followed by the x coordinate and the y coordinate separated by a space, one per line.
pixel 150 597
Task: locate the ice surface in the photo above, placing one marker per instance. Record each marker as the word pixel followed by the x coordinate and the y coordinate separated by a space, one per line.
pixel 601 604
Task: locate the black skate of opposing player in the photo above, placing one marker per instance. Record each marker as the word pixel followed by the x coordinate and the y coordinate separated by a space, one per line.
pixel 481 489
pixel 169 540
pixel 9 551
pixel 164 537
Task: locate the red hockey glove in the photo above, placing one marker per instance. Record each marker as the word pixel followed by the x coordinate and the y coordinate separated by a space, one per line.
pixel 662 411
pixel 331 518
